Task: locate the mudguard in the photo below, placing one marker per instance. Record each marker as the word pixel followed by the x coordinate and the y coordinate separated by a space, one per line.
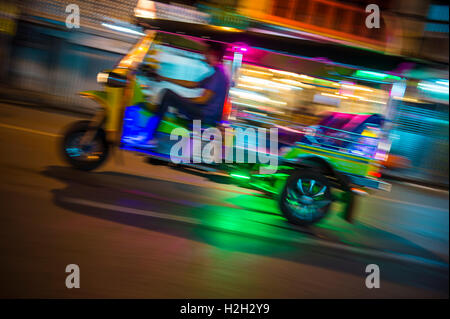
pixel 98 96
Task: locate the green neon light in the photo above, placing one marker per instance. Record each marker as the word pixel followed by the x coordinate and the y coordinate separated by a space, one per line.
pixel 375 75
pixel 323 82
pixel 239 176
pixel 271 175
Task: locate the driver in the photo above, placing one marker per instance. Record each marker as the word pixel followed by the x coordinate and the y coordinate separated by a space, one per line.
pixel 207 107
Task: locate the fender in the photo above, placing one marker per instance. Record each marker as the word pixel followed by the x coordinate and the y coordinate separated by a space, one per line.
pixel 98 96
pixel 344 182
pixel 325 166
pixel 100 119
pixel 110 101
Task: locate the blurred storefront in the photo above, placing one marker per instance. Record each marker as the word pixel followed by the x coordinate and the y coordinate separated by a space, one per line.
pixel 57 62
pixel 9 13
pixel 408 28
pixel 421 130
pixel 321 20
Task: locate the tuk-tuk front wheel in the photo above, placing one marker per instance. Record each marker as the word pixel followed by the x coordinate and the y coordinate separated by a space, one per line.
pixel 86 156
pixel 306 197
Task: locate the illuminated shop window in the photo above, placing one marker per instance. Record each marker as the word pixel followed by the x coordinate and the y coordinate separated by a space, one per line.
pixel 299 97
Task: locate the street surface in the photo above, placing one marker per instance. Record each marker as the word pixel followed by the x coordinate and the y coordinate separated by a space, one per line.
pixel 149 231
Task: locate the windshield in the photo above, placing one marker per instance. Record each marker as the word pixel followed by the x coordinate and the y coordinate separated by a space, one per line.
pixel 138 52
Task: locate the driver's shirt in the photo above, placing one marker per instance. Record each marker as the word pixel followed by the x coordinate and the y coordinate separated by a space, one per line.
pixel 219 83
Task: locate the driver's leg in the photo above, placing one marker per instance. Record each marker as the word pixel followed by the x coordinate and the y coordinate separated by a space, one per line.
pixel 170 98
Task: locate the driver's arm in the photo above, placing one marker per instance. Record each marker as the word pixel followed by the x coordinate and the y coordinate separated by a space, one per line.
pixel 184 83
pixel 204 98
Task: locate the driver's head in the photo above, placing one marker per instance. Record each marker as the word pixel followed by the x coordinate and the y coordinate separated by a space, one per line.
pixel 214 53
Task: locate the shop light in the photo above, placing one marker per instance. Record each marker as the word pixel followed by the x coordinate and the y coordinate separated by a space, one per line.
pixel 246 104
pixel 145 9
pixel 259 107
pixel 284 72
pixel 433 87
pixel 406 99
pixel 254 96
pixel 306 77
pixel 256 72
pixel 260 81
pixel 249 95
pixel 353 96
pixel 252 87
pixel 371 75
pixel 122 29
pixel 335 96
pixel 294 83
pixel 141 13
pixel 229 29
pixel 373 101
pixel 278 102
pixel 324 82
pixel 318 80
pixel 354 87
pixel 306 86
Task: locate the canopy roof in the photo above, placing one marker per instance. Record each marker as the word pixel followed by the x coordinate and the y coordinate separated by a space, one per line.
pixel 328 53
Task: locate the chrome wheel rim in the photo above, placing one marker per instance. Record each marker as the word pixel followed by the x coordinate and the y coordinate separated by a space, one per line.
pixel 307 198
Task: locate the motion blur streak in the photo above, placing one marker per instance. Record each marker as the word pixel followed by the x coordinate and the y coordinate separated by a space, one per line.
pixel 359 107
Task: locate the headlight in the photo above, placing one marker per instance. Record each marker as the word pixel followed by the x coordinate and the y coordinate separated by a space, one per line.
pixel 102 77
pixel 112 79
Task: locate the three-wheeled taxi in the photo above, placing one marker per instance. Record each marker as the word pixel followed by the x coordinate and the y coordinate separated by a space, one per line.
pixel 333 160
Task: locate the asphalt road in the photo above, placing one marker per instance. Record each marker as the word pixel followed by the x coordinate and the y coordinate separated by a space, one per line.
pixel 150 231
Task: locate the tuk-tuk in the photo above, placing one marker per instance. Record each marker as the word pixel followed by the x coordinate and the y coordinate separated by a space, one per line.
pixel 333 160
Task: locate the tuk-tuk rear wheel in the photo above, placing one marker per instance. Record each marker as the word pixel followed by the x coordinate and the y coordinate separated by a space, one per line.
pixel 84 157
pixel 306 197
